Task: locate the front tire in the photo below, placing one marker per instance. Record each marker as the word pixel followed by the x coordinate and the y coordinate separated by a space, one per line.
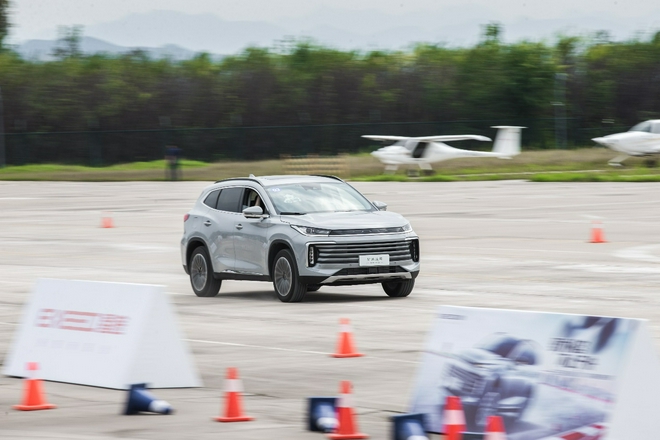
pixel 286 281
pixel 201 274
pixel 398 289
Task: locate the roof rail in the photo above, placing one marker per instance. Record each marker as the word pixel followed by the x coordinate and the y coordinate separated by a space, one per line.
pixel 328 176
pixel 251 179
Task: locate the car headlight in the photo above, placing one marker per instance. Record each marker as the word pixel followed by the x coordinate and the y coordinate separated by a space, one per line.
pixel 308 230
pixel 406 228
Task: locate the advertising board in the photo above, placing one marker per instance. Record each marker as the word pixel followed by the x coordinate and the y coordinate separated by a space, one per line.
pixel 545 374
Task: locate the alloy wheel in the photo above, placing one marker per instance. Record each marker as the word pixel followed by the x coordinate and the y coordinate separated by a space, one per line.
pixel 283 276
pixel 199 272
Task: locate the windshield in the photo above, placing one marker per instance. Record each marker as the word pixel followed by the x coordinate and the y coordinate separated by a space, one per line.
pixel 642 126
pixel 307 198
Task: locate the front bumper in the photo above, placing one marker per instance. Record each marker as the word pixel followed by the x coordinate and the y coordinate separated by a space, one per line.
pixel 338 261
pixel 342 279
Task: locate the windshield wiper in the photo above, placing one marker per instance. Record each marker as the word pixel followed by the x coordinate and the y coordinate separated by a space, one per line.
pixel 292 213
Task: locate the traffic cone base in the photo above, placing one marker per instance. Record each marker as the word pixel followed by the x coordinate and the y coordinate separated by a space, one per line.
pixel 233 419
pixel 140 400
pixel 347 355
pixel 357 435
pixel 322 414
pixel 34 407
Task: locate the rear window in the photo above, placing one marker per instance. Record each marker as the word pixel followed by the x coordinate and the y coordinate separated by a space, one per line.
pixel 212 199
pixel 229 199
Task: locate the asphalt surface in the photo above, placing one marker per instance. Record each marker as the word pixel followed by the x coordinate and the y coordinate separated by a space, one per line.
pixel 507 244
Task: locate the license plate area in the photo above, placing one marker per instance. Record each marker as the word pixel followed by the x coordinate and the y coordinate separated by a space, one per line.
pixel 375 260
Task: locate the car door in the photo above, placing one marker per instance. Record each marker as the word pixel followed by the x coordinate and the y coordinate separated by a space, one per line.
pixel 221 224
pixel 251 236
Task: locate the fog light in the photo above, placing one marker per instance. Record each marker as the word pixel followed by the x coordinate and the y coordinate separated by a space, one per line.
pixel 311 256
pixel 414 250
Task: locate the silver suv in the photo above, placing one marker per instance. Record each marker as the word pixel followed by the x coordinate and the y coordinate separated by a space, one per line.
pixel 301 233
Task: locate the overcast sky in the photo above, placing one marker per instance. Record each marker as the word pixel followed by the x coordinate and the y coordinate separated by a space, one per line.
pixel 39 19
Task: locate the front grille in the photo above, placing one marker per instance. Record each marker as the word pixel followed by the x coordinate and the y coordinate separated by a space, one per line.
pixel 349 253
pixel 470 382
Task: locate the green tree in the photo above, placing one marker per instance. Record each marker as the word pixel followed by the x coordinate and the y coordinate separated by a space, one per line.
pixel 4 21
pixel 68 42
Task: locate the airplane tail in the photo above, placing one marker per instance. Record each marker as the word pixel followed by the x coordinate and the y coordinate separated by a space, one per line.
pixel 507 141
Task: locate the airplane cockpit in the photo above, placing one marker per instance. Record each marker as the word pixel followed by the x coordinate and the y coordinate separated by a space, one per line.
pixel 652 126
pixel 416 148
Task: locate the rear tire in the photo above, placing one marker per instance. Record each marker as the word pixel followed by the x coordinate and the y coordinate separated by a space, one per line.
pixel 286 281
pixel 398 289
pixel 201 274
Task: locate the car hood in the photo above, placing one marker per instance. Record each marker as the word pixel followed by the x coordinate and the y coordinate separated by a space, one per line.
pixel 480 356
pixel 348 220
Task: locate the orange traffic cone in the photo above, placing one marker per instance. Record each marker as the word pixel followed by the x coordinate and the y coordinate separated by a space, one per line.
pixel 233 407
pixel 346 426
pixel 106 220
pixel 597 235
pixel 453 418
pixel 495 428
pixel 33 398
pixel 345 346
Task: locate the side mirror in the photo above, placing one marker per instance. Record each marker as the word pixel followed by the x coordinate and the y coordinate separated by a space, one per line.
pixel 254 212
pixel 381 206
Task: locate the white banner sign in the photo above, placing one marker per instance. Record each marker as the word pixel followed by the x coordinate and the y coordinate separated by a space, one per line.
pixel 109 335
pixel 547 375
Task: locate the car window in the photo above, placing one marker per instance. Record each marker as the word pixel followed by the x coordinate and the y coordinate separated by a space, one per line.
pixel 212 199
pixel 656 128
pixel 305 198
pixel 252 198
pixel 229 199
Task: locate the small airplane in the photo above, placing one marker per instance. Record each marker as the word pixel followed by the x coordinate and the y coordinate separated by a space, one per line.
pixel 641 140
pixel 423 151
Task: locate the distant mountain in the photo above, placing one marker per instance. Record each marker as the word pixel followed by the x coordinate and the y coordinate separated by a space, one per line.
pixel 166 33
pixel 42 50
pixel 199 32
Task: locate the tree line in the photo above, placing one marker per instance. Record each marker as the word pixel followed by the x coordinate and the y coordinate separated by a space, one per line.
pixel 593 82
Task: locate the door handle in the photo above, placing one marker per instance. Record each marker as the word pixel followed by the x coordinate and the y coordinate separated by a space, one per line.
pixel 239 226
pixel 207 223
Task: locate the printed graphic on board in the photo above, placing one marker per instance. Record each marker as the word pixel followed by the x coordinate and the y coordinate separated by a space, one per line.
pixel 545 374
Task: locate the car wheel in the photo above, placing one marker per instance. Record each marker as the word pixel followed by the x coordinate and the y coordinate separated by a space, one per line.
pixel 313 287
pixel 398 289
pixel 285 278
pixel 201 274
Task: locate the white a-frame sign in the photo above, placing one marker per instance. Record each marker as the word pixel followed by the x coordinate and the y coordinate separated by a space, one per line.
pixel 102 334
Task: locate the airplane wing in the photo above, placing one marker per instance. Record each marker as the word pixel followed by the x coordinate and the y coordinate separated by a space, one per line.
pixel 374 137
pixel 449 138
pixel 442 138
